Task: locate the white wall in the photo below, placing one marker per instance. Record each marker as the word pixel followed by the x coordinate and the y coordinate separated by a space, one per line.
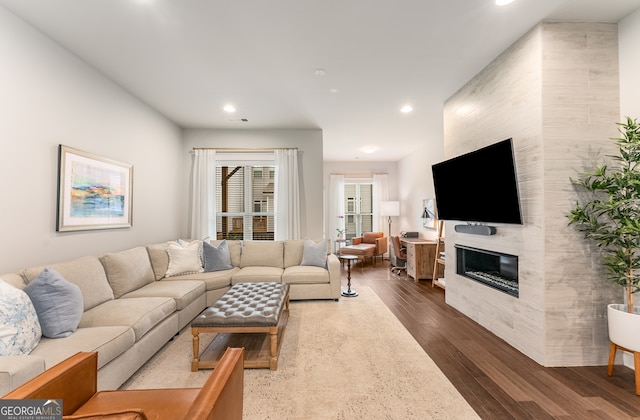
pixel 49 97
pixel 309 145
pixel 628 37
pixel 416 184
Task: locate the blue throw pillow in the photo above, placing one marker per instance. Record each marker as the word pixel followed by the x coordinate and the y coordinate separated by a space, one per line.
pixel 216 258
pixel 58 303
pixel 315 253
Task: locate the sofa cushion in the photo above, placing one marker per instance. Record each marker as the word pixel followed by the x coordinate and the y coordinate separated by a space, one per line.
pixel 87 273
pixel 184 258
pixel 257 274
pixel 14 279
pixel 315 253
pixel 141 314
pixel 293 250
pixel 212 280
pixel 110 342
pixel 19 326
pixel 216 258
pixel 262 254
pixel 235 249
pixel 127 270
pixel 159 259
pixel 305 274
pixel 58 303
pixel 183 292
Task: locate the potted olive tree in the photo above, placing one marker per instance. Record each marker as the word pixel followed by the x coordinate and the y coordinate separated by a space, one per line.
pixel 611 217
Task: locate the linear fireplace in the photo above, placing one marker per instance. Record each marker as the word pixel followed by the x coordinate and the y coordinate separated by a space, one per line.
pixel 493 269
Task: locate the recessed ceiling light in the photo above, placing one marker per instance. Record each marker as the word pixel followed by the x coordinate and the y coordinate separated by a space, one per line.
pixel 229 108
pixel 406 108
pixel 369 149
pixel 503 2
pixel 319 72
pixel 333 90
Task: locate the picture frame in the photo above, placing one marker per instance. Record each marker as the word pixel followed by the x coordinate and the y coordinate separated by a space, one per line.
pixel 429 215
pixel 94 192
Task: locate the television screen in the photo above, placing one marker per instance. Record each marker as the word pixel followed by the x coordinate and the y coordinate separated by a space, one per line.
pixel 480 186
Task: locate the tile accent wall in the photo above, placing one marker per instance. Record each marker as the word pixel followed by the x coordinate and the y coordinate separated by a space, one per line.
pixel 555 92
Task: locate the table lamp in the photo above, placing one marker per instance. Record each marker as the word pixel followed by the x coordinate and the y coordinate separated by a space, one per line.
pixel 390 208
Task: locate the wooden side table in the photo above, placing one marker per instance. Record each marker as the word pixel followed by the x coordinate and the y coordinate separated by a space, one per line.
pixel 349 259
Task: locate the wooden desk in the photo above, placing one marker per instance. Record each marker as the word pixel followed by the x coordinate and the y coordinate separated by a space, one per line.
pixel 421 255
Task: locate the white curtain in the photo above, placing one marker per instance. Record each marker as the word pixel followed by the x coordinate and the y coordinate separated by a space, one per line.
pixel 380 193
pixel 287 195
pixel 336 205
pixel 203 195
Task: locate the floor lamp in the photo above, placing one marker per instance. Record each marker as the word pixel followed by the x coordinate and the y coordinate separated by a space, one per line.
pixel 390 208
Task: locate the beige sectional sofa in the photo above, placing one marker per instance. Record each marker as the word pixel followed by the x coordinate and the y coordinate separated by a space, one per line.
pixel 132 307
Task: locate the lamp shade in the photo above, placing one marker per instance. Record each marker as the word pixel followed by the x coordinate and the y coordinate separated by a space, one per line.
pixel 389 208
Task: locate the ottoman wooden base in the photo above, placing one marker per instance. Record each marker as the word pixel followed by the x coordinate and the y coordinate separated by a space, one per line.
pixel 249 315
pixel 261 349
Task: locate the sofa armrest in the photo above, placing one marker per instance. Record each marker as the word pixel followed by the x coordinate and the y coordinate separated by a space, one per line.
pixel 333 265
pixel 382 245
pixel 74 380
pixel 16 370
pixel 356 240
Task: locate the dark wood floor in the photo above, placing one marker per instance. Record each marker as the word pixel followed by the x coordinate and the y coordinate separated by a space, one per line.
pixel 497 380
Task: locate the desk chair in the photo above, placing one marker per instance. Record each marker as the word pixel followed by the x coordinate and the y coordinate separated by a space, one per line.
pixel 400 254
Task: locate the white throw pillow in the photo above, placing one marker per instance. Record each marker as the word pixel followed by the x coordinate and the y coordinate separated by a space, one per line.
pixel 19 327
pixel 184 259
pixel 190 242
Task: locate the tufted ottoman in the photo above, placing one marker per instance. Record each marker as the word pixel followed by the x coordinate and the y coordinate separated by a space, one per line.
pixel 249 315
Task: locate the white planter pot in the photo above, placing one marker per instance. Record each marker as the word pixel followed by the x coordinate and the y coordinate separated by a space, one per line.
pixel 624 328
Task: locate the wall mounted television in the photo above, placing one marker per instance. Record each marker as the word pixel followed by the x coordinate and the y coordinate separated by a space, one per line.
pixel 479 187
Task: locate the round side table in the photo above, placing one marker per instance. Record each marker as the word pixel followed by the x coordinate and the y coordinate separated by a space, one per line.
pixel 349 259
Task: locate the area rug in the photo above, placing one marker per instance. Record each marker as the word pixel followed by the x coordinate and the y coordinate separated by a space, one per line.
pixel 350 359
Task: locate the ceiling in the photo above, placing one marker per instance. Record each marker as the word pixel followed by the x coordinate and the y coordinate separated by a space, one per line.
pixel 189 58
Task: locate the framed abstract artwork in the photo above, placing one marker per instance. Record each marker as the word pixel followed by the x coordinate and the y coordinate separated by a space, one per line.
pixel 93 192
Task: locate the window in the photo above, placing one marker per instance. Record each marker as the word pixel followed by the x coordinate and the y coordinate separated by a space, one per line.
pixel 358 208
pixel 244 201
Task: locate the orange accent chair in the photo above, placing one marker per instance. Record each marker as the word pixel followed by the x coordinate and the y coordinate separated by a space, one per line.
pixel 370 244
pixel 75 382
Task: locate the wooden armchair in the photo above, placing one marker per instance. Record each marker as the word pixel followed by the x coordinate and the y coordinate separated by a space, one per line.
pixel 375 238
pixel 74 381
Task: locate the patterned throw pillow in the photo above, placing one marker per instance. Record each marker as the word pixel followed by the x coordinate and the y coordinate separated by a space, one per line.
pixel 19 327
